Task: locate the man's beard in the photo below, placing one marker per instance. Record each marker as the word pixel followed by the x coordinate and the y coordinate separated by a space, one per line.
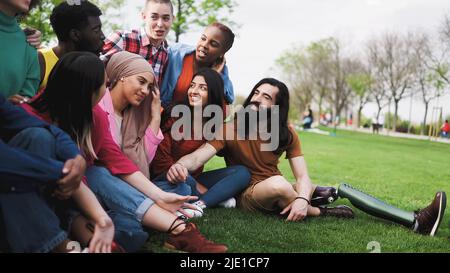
pixel 256 120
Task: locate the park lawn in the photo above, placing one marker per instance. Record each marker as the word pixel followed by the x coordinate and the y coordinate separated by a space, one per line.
pixel 405 173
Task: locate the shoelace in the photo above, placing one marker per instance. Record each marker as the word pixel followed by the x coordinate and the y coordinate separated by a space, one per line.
pixel 172 227
pixel 421 212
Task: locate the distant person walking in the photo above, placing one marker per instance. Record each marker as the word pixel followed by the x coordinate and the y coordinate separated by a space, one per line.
pixel 308 119
pixel 445 129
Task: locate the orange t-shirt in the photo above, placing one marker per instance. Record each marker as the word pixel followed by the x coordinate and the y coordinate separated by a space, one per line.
pixel 184 81
pixel 261 164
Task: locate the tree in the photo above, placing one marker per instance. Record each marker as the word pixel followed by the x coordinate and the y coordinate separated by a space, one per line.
pixel 378 91
pixel 395 65
pixel 293 65
pixel 319 69
pixel 112 14
pixel 318 72
pixel 442 63
pixel 341 67
pixel 427 80
pixel 361 84
pixel 39 18
pixel 444 30
pixel 189 13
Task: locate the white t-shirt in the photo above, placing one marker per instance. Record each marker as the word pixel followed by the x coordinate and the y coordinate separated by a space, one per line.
pixel 118 120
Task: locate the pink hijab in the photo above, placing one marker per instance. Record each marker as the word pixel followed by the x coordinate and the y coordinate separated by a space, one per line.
pixel 136 119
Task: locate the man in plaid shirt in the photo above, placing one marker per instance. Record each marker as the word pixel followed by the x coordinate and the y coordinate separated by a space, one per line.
pixel 150 41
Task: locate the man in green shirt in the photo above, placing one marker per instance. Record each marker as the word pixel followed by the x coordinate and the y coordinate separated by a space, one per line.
pixel 19 72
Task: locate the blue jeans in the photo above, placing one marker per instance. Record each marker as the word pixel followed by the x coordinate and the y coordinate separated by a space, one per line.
pixel 125 205
pixel 29 222
pixel 183 189
pixel 222 184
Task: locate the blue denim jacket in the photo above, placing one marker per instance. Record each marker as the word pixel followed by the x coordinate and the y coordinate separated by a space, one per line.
pixel 176 55
pixel 20 170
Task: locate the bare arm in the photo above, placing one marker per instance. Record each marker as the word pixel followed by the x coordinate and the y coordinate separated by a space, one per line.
pixel 88 203
pixel 303 184
pixel 179 171
pixel 198 158
pixel 155 121
pixel 168 201
pixel 298 209
pixel 104 227
pixel 139 181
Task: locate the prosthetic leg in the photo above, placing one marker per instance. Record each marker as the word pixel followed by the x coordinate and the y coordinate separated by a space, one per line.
pixel 323 196
pixel 375 207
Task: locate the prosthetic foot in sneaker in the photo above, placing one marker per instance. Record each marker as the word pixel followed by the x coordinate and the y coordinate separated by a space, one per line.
pixel 429 218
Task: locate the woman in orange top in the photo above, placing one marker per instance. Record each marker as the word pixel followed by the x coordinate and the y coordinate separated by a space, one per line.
pixel 185 61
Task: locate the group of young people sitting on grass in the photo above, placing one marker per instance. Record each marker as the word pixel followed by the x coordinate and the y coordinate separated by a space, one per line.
pixel 103 139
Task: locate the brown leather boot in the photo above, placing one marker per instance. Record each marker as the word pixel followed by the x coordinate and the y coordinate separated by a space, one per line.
pixel 341 211
pixel 191 240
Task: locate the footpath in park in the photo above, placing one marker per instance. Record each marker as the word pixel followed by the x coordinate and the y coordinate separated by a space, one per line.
pixel 384 132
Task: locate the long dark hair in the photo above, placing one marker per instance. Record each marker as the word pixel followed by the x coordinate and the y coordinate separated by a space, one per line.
pixel 215 85
pixel 282 100
pixel 73 83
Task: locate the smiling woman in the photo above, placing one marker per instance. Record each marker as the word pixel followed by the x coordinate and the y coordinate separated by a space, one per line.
pixel 134 107
pixel 184 61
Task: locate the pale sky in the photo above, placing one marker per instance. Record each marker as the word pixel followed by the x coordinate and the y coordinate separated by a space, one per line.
pixel 269 27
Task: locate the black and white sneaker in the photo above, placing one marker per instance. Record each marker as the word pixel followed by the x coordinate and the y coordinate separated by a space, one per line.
pixel 429 218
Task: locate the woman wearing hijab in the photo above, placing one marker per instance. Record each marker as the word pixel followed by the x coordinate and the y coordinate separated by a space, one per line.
pixel 134 111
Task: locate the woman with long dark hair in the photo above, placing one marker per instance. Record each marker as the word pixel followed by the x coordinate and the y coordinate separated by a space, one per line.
pixel 213 187
pixel 76 85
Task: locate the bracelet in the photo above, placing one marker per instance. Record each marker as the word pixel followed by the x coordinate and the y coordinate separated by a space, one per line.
pixel 303 198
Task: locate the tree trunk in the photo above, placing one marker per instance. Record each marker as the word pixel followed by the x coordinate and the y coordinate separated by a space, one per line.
pixel 178 27
pixel 395 114
pixel 359 116
pixel 424 124
pixel 389 117
pixel 378 114
pixel 320 106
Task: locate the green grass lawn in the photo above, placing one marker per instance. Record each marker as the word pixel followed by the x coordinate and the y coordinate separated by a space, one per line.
pixel 404 173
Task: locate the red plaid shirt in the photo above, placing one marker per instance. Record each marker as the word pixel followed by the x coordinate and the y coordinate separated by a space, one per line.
pixel 137 42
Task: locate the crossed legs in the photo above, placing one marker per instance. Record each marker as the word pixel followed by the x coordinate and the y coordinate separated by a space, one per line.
pixel 276 193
